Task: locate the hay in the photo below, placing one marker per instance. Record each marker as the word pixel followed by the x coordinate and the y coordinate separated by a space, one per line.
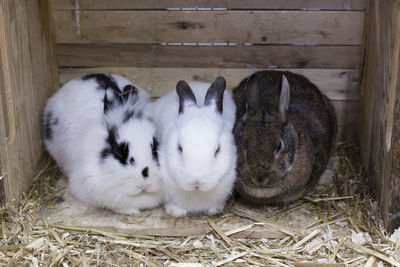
pixel 338 224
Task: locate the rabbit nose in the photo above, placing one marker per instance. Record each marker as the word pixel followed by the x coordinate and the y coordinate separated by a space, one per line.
pixel 196 184
pixel 145 173
pixel 259 172
pixel 144 186
pixel 261 180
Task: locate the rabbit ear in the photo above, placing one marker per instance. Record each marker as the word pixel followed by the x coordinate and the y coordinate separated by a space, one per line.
pixel 215 93
pixel 129 90
pixel 252 94
pixel 285 97
pixel 185 94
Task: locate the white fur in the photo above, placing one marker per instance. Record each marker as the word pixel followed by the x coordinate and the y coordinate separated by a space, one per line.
pixel 79 137
pixel 199 131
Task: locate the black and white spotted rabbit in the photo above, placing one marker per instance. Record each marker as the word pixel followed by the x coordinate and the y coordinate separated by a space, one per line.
pixel 97 132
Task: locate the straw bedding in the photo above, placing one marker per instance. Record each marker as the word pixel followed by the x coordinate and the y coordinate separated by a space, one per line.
pixel 337 224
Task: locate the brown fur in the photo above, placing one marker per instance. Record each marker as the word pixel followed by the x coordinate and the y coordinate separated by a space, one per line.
pixel 268 172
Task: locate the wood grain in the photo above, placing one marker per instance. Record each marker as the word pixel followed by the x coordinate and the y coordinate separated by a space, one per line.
pixel 263 56
pixel 231 4
pixel 339 85
pixel 336 84
pixel 380 106
pixel 258 27
pixel 347 117
pixel 28 76
pixel 393 119
pixel 3 134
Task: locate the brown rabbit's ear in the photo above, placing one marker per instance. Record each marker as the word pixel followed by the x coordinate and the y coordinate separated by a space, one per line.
pixel 185 94
pixel 284 98
pixel 252 94
pixel 215 93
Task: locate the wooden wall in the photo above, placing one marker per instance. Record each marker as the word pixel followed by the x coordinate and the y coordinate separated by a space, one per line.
pixel 380 106
pixel 156 47
pixel 28 75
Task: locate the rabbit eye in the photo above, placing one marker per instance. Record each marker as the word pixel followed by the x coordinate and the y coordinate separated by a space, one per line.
pixel 132 161
pixel 217 151
pixel 180 148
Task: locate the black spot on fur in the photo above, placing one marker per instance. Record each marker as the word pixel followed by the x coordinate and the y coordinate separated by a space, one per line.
pixel 145 172
pixel 107 82
pixel 120 151
pixel 48 130
pixel 104 81
pixel 108 104
pixel 154 149
pixel 128 115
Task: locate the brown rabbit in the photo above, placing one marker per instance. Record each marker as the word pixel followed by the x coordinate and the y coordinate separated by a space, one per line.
pixel 285 130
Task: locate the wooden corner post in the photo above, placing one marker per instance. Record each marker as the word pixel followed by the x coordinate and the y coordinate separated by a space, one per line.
pixel 380 106
pixel 28 75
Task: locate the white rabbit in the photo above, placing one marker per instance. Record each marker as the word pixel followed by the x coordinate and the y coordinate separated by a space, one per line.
pixel 95 129
pixel 197 150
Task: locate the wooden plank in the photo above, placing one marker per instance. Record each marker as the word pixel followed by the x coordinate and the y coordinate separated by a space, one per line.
pixel 262 56
pixel 261 27
pixel 336 84
pixel 393 120
pixel 380 106
pixel 28 73
pixel 231 4
pixel 339 85
pixel 42 38
pixel 3 134
pixel 346 114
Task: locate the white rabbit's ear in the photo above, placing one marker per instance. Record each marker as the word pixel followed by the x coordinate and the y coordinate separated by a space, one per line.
pixel 186 96
pixel 215 93
pixel 284 98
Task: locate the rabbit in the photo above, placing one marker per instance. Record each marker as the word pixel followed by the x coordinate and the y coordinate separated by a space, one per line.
pixel 285 130
pixel 96 131
pixel 197 151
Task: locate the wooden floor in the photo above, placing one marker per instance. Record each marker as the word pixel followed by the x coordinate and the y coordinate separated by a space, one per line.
pixel 70 213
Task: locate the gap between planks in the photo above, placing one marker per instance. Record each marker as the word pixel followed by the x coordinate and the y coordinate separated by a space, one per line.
pixel 231 4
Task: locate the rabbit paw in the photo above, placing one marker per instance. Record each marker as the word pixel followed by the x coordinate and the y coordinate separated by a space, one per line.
pixel 174 210
pixel 128 211
pixel 214 211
